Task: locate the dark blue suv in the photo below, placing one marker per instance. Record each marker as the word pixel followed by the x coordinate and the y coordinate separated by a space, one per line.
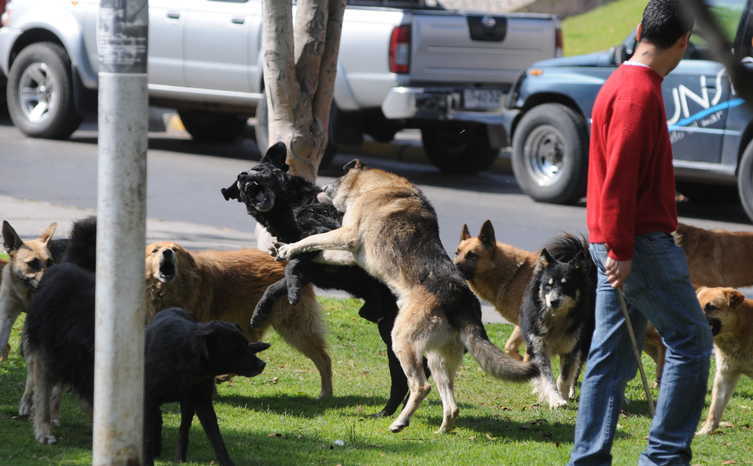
pixel 549 112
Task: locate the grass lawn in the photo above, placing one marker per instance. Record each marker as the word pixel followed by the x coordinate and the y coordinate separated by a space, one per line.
pixel 275 419
pixel 601 28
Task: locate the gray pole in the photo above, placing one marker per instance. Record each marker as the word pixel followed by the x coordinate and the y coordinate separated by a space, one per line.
pixel 121 216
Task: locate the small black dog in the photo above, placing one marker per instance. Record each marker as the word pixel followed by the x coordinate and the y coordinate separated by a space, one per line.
pixel 557 315
pixel 182 359
pixel 288 208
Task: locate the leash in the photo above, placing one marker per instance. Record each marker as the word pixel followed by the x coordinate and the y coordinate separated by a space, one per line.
pixel 636 351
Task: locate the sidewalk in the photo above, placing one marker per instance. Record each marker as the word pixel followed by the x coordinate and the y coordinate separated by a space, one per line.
pixel 30 218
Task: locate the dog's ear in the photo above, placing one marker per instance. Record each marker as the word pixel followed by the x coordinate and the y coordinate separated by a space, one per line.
pixel 11 240
pixel 200 341
pixel 487 234
pixel 276 155
pixel 735 298
pixel 545 258
pixel 258 346
pixel 47 234
pixel 465 234
pixel 355 163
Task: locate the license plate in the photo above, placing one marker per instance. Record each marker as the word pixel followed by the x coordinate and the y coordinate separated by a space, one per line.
pixel 482 99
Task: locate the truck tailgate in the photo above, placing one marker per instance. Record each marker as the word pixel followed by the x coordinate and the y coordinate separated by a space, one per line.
pixel 501 46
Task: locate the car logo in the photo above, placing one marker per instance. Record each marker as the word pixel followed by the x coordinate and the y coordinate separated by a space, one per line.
pixel 488 22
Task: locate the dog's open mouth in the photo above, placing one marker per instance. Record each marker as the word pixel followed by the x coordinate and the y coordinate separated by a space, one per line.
pixel 256 196
pixel 715 324
pixel 166 268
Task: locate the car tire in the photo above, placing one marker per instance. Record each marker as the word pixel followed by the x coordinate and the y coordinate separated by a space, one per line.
pixel 745 180
pixel 458 148
pixel 40 95
pixel 549 156
pixel 262 132
pixel 206 126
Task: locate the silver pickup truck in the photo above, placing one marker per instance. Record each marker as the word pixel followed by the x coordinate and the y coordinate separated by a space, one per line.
pixel 405 65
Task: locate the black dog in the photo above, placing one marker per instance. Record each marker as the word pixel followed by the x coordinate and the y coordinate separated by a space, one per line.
pixel 59 329
pixel 557 315
pixel 182 359
pixel 287 207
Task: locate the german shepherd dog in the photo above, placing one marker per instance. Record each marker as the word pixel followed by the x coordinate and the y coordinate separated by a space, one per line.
pixel 391 230
pixel 498 273
pixel 730 315
pixel 557 315
pixel 28 263
pixel 287 207
pixel 225 285
pixel 59 329
pixel 182 358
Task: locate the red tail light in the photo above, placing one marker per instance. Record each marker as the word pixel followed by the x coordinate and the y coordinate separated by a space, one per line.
pixel 2 6
pixel 400 49
pixel 559 42
pixel 3 15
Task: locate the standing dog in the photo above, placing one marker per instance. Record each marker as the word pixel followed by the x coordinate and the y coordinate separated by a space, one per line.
pixel 497 273
pixel 225 285
pixel 717 257
pixel 731 317
pixel 182 359
pixel 391 230
pixel 286 205
pixel 557 315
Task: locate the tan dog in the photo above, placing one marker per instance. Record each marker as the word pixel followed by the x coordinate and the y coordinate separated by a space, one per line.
pixel 390 229
pixel 731 317
pixel 717 257
pixel 497 273
pixel 28 261
pixel 226 285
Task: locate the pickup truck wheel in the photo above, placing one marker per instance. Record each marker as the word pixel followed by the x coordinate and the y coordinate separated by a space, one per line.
pixel 213 126
pixel 40 92
pixel 262 132
pixel 549 154
pixel 458 148
pixel 745 180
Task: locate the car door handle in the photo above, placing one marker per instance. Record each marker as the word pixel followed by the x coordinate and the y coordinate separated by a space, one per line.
pixel 238 20
pixel 173 14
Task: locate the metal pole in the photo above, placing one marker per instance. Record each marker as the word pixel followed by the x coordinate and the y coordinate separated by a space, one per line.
pixel 121 216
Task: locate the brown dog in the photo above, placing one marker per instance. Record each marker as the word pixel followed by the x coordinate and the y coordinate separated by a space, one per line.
pixel 717 257
pixel 731 317
pixel 497 273
pixel 226 285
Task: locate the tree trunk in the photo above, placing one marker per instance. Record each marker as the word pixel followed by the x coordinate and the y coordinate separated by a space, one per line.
pixel 299 76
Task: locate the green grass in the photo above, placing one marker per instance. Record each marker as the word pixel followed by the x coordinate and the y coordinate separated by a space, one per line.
pixel 275 419
pixel 3 256
pixel 601 28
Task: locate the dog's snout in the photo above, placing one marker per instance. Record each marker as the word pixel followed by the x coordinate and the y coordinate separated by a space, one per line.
pixel 168 253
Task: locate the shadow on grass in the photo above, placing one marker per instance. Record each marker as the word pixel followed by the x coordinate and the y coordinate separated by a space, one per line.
pixel 300 405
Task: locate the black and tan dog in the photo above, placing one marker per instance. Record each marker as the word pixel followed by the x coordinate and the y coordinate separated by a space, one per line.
pixel 497 273
pixel 287 206
pixel 226 285
pixel 557 315
pixel 391 230
pixel 730 315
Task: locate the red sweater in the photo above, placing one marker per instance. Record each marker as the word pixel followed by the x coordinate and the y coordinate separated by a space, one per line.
pixel 631 182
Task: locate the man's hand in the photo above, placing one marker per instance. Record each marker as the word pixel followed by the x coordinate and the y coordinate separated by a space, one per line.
pixel 617 271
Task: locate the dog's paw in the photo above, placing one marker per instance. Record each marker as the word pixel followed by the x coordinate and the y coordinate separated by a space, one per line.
pixel 284 252
pixel 706 429
pixel 45 437
pixel 24 407
pixel 556 402
pixel 397 426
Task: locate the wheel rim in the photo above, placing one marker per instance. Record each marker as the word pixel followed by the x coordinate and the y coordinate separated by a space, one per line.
pixel 544 155
pixel 36 92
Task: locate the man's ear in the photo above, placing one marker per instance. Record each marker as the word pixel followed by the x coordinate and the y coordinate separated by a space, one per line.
pixel 465 234
pixel 276 155
pixel 11 240
pixel 639 33
pixel 487 234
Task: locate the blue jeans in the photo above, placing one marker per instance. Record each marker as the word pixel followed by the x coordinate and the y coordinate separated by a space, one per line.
pixel 658 289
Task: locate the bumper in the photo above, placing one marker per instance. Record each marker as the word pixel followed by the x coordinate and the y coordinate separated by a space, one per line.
pixel 426 103
pixel 8 37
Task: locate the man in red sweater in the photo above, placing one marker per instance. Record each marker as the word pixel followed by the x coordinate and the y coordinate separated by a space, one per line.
pixel 631 213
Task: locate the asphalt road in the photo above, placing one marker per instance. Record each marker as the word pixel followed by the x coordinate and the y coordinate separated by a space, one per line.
pixel 184 179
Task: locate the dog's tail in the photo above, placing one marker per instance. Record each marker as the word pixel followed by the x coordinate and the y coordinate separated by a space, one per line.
pixel 82 245
pixel 491 359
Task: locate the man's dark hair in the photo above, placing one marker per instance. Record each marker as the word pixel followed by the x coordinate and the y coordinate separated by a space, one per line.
pixel 664 22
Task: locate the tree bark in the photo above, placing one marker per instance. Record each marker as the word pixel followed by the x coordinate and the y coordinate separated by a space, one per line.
pixel 300 65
